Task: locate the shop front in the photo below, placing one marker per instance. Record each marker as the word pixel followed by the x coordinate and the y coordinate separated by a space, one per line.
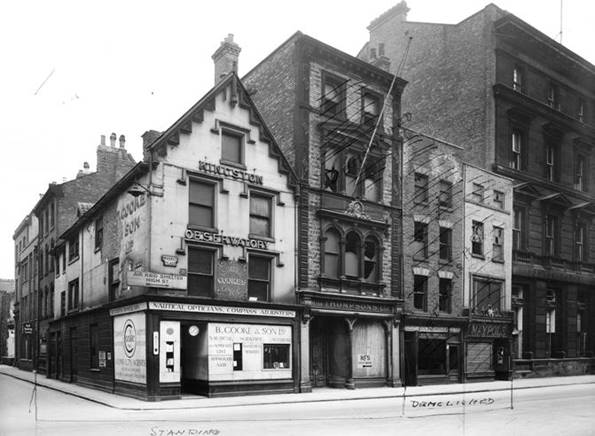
pixel 433 351
pixel 488 345
pixel 166 348
pixel 349 341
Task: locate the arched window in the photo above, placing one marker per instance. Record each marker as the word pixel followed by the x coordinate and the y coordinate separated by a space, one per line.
pixel 331 254
pixel 352 255
pixel 352 166
pixel 371 256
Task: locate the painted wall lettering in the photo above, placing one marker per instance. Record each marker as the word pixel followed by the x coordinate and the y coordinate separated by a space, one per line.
pixel 232 173
pixel 199 236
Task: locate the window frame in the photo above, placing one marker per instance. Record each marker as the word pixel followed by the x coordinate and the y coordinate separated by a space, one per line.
pixel 113 279
pixel 499 199
pixel 241 137
pixel 445 246
pixel 517 142
pixel 287 351
pixel 420 280
pixel 99 233
pixel 267 260
pixel 478 193
pixel 73 295
pixel 270 218
pixel 94 346
pixel 517 78
pixel 498 244
pixel 420 236
pixel 581 246
pixel 518 228
pixel 551 235
pixel 73 254
pixel 329 107
pixel 421 188
pixel 445 297
pixel 580 174
pixel 210 293
pixel 493 284
pixel 479 226
pixel 368 118
pixel 212 185
pixel 445 196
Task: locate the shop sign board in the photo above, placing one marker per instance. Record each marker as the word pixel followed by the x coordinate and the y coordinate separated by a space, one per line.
pixel 130 363
pixel 245 351
pixel 156 280
pixel 232 280
pixel 364 361
pixel 128 309
pixel 488 330
pixel 223 310
pixel 27 328
pixel 102 359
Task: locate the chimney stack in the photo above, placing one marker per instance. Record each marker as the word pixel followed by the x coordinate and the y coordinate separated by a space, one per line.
pixel 122 141
pixel 226 58
pixel 102 142
pixel 112 140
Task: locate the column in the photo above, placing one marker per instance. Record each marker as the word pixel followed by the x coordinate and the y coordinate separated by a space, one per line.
pixel 305 383
pixel 395 356
pixel 349 382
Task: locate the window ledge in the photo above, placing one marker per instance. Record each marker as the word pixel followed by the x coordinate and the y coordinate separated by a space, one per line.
pixel 232 164
pixel 97 249
pixel 498 260
pixel 71 261
pixel 262 238
pixel 202 228
pixel 478 256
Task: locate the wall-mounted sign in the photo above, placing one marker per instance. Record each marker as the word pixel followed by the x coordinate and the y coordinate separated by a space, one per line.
pixel 169 352
pixel 232 173
pixel 193 330
pixel 129 348
pixel 169 260
pixel 27 328
pixel 232 280
pixel 364 361
pixel 488 330
pixel 156 280
pixel 102 359
pixel 199 236
pixel 128 309
pixel 224 310
pixel 351 306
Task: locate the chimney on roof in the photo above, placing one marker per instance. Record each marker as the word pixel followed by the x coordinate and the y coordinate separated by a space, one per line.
pixel 226 58
pixel 112 140
pixel 86 170
pixel 122 141
pixel 381 62
pixel 102 142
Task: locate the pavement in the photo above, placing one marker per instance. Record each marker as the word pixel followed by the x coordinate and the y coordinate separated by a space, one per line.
pixel 317 395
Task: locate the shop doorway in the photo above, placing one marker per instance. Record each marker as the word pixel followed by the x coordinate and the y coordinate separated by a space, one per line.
pixel 193 358
pixel 329 352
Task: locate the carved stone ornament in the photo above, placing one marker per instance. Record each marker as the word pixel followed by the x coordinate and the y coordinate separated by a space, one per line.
pixel 356 209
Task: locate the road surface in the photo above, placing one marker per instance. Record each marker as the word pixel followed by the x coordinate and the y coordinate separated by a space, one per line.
pixel 563 410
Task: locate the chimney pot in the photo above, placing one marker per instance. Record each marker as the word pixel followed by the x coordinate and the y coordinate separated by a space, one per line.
pixel 86 165
pixel 122 141
pixel 112 140
pixel 102 140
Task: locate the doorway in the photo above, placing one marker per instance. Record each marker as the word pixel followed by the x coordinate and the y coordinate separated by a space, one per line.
pixel 193 358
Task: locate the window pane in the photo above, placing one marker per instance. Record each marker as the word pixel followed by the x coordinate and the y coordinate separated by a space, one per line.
pixel 260 226
pixel 332 242
pixel 199 285
pixel 260 205
pixel 200 261
pixel 200 215
pixel 258 290
pixel 276 356
pixel 258 268
pixel 231 147
pixel 352 251
pixel 331 265
pixel 201 193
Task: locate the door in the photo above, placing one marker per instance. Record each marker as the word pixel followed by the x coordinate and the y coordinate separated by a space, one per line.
pixel 453 362
pixel 410 358
pixel 73 354
pixel 318 355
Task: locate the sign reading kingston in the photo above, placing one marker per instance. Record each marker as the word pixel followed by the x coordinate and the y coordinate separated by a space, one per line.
pixel 200 236
pixel 156 280
pixel 226 310
pixel 232 173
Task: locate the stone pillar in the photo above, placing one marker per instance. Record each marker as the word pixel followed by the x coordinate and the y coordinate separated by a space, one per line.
pixel 305 383
pixel 395 356
pixel 349 382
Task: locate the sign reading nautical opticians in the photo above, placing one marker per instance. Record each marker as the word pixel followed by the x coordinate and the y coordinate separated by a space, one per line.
pixel 233 173
pixel 200 236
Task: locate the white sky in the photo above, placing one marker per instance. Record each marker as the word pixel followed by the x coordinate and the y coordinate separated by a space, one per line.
pixel 130 66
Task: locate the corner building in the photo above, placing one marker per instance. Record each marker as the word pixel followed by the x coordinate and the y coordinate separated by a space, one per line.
pixel 322 106
pixel 525 109
pixel 181 278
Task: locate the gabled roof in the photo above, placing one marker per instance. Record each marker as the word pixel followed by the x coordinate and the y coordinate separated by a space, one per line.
pixel 171 136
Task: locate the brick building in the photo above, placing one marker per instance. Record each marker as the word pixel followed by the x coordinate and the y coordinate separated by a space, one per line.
pixel 523 106
pixel 57 209
pixel 7 292
pixel 322 106
pixel 181 278
pixel 26 285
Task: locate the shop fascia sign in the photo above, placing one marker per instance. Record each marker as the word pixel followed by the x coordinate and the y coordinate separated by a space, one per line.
pixel 232 173
pixel 219 238
pixel 156 280
pixel 488 330
pixel 225 310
